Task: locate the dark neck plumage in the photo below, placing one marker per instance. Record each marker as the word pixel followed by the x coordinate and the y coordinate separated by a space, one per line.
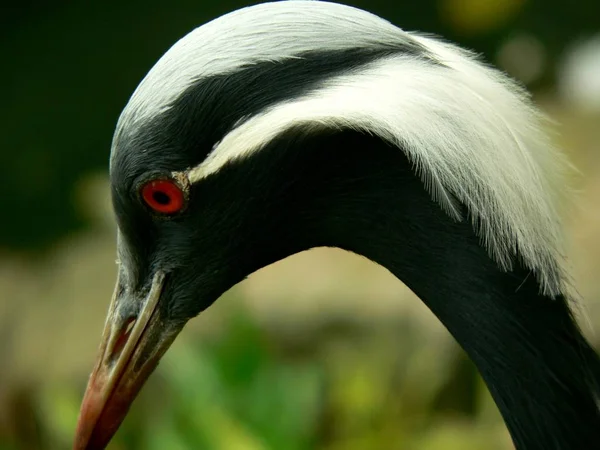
pixel 361 195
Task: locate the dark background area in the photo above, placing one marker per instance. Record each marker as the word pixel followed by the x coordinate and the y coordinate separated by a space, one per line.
pixel 324 350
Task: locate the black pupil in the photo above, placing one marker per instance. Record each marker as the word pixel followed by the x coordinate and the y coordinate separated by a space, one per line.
pixel 161 198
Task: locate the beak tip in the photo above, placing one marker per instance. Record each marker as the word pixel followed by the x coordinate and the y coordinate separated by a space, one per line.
pixel 90 422
pixel 129 352
pixel 83 431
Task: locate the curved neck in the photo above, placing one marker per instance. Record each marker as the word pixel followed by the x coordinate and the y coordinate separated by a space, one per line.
pixel 363 196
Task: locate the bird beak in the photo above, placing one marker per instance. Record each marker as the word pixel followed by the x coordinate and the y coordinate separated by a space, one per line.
pixel 132 345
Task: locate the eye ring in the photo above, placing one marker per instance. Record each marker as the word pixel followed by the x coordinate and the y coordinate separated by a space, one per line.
pixel 163 196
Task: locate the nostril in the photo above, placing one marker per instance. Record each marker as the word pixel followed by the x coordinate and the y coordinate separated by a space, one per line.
pixel 122 337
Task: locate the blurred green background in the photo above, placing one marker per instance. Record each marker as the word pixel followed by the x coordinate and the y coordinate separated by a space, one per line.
pixel 321 351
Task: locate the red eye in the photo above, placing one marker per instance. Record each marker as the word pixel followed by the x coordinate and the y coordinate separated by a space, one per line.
pixel 163 196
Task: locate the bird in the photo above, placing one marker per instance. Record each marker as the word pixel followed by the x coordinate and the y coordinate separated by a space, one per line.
pixel 285 126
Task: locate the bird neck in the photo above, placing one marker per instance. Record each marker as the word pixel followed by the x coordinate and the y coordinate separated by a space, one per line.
pixel 540 370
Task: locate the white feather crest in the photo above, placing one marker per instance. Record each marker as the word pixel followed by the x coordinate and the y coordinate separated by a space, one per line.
pixel 472 133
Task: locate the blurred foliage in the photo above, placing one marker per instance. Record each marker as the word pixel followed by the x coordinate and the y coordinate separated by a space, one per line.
pixel 247 390
pixel 71 67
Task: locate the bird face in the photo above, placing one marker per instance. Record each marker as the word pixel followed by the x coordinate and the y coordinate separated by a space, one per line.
pixel 183 241
pixel 180 246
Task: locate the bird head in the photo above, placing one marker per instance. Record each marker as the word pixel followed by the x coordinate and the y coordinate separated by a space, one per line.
pixel 253 138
